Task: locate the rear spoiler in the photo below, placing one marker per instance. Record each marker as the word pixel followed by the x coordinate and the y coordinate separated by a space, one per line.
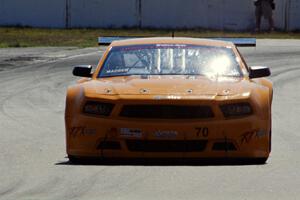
pixel 240 42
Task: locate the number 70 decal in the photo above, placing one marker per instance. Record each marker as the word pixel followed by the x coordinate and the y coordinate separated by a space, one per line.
pixel 202 131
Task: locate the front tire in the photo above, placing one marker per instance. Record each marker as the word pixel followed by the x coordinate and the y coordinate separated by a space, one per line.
pixel 260 161
pixel 75 160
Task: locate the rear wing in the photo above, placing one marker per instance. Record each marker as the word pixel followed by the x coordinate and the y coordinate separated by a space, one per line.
pixel 240 42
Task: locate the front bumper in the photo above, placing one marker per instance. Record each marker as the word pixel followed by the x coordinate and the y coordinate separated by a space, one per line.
pixel 88 136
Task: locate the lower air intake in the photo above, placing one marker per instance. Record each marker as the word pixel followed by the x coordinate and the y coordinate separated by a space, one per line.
pixel 166 145
pixel 113 145
pixel 224 146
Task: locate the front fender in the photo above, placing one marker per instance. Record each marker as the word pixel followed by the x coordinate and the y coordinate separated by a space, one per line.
pixel 267 83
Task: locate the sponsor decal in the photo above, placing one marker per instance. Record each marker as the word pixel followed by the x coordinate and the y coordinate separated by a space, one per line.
pixel 131 132
pixel 82 131
pixel 172 45
pixel 261 133
pixel 158 97
pixel 118 70
pixel 248 136
pixel 165 134
pixel 167 97
pixel 173 97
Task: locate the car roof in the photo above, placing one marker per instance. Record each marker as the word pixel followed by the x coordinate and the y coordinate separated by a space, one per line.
pixel 171 40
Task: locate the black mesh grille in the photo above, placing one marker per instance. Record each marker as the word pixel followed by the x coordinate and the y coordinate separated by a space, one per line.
pixel 166 145
pixel 224 146
pixel 109 145
pixel 167 112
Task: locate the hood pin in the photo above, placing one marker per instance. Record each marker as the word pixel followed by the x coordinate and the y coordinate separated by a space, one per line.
pixel 143 91
pixel 108 91
pixel 190 91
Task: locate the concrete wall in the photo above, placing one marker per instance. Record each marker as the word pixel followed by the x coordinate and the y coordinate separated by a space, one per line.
pixel 243 17
pixel 212 14
pixel 36 13
pixel 293 15
pixel 103 13
pixel 172 14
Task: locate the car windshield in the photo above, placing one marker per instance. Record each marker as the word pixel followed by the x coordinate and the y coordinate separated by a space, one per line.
pixel 170 59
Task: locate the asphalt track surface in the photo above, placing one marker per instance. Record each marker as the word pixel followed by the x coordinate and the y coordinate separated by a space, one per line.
pixel 33 163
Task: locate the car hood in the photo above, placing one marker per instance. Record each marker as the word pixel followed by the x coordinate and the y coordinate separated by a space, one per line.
pixel 168 85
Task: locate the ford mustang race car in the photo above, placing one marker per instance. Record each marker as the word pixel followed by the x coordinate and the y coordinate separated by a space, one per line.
pixel 169 98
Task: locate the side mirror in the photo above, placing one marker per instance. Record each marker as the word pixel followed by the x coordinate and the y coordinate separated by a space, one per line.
pixel 259 71
pixel 83 71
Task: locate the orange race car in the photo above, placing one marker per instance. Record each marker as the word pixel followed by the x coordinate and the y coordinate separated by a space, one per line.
pixel 170 98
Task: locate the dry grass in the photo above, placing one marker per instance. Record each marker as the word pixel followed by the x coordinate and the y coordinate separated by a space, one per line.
pixel 32 37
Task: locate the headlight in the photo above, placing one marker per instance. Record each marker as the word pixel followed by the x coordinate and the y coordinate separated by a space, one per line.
pixel 98 108
pixel 236 109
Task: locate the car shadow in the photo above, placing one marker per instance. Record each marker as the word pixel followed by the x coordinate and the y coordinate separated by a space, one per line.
pixel 165 162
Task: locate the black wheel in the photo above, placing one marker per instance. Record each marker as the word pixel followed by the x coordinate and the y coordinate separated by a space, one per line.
pixel 84 160
pixel 75 160
pixel 260 161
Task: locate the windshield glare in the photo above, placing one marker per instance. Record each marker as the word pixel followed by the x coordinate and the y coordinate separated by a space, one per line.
pixel 170 59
